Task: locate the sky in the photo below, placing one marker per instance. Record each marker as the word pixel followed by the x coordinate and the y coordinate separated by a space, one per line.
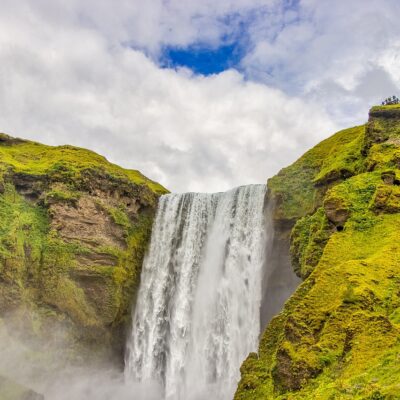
pixel 199 95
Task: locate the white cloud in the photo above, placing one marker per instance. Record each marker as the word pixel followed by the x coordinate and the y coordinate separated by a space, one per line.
pixel 72 72
pixel 327 50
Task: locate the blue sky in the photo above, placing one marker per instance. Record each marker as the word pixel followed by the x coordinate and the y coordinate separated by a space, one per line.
pixel 208 58
pixel 202 59
pixel 264 80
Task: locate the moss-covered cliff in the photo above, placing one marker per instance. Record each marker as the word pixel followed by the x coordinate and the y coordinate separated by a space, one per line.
pixel 338 336
pixel 73 232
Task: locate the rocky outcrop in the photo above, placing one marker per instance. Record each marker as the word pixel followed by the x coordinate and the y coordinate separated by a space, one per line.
pixel 337 336
pixel 74 230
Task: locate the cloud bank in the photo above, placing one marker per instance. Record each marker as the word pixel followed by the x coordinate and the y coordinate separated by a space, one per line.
pixel 88 74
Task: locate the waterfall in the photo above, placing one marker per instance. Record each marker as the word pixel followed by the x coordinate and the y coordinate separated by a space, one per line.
pixel 197 314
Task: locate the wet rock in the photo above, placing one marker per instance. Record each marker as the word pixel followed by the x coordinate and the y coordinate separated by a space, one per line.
pixel 386 199
pixel 336 210
pixel 388 177
pixel 290 375
pixel 383 126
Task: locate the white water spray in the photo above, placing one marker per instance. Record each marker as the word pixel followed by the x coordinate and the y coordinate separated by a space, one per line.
pixel 198 309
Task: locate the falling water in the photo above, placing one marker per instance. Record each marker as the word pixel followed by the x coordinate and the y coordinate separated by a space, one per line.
pixel 198 309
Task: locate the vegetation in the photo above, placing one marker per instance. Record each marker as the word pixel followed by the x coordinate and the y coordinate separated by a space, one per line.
pixel 390 101
pixel 75 228
pixel 64 163
pixel 308 239
pixel 298 189
pixel 338 335
pixel 73 233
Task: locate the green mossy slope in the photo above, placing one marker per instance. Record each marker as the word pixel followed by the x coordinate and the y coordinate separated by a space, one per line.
pixel 74 229
pixel 63 162
pixel 299 188
pixel 338 336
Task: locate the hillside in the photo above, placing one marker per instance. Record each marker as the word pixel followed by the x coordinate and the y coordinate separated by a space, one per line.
pixel 338 336
pixel 73 232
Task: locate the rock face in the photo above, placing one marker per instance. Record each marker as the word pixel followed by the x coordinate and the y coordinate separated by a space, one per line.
pixel 338 335
pixel 281 281
pixel 73 233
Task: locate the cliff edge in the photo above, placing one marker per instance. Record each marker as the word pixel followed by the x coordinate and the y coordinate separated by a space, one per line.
pixel 74 229
pixel 337 337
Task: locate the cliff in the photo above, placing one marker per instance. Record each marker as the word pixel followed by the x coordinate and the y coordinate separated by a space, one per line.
pixel 337 337
pixel 73 232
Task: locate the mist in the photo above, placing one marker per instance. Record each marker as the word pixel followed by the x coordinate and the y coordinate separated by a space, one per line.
pixel 48 370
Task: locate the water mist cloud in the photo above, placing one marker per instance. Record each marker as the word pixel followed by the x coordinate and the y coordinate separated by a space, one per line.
pixel 45 368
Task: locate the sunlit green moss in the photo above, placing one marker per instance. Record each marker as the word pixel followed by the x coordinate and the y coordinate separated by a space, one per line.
pixel 295 188
pixel 62 195
pixel 338 336
pixel 120 218
pixel 65 162
pixel 340 327
pixel 308 240
pixel 48 278
pixel 23 231
pixel 385 108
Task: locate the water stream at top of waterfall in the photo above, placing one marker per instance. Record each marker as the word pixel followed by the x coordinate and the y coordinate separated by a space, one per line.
pixel 197 314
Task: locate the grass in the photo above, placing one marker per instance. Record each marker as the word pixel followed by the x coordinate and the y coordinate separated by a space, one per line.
pixel 65 163
pixel 338 336
pixel 43 273
pixel 296 188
